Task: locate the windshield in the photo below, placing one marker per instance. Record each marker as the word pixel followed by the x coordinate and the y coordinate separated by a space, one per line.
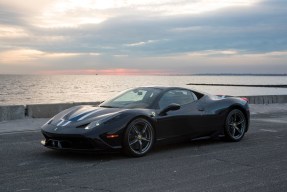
pixel 141 97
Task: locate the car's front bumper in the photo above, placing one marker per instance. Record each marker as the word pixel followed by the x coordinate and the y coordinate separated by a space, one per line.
pixel 75 142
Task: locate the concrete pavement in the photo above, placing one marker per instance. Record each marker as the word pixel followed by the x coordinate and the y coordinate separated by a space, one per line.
pixel 257 163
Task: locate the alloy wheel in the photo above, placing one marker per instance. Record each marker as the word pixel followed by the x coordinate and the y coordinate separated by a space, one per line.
pixel 140 136
pixel 236 125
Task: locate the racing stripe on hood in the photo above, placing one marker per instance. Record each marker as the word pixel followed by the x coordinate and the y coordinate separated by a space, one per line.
pixel 89 114
pixel 76 118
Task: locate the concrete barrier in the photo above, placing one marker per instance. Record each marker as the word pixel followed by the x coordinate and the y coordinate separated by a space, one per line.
pixel 266 99
pixel 12 112
pixel 49 110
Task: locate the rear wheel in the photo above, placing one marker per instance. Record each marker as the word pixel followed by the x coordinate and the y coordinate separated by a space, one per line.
pixel 139 138
pixel 235 125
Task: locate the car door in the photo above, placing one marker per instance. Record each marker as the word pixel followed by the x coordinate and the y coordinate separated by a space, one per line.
pixel 180 122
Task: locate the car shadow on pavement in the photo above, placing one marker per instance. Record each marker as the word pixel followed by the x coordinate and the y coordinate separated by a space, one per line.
pixel 84 156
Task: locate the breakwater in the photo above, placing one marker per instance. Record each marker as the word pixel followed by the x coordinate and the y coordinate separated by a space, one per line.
pixel 12 112
pixel 238 85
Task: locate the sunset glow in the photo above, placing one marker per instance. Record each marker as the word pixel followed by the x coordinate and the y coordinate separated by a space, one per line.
pixel 105 72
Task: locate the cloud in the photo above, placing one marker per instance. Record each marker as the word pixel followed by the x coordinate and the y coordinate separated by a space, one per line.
pixel 156 35
pixel 10 17
pixel 141 43
pixel 256 29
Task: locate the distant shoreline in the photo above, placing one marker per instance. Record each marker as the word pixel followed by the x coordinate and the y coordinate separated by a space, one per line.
pixel 199 74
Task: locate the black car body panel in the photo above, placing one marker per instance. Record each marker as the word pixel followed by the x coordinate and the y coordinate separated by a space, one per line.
pixel 69 130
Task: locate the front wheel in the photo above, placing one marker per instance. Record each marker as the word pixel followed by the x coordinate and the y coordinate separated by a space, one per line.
pixel 138 138
pixel 235 125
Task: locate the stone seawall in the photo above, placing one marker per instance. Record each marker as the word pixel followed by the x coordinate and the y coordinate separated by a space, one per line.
pixel 13 112
pixel 49 110
pixel 266 99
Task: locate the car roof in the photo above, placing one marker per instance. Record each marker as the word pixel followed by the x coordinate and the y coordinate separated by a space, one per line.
pixel 161 87
pixel 169 87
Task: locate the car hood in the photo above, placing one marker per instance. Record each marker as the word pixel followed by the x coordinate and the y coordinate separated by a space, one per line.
pixel 84 114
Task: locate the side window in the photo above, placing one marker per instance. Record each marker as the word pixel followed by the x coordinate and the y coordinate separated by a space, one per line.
pixel 179 96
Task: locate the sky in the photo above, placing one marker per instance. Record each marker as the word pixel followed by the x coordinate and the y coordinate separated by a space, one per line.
pixel 143 37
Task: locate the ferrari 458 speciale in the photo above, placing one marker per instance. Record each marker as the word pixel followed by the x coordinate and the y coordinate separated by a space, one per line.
pixel 136 119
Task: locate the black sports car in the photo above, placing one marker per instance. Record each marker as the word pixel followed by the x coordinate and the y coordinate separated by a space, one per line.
pixel 138 118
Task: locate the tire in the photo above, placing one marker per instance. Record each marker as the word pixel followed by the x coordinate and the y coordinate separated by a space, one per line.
pixel 235 125
pixel 138 138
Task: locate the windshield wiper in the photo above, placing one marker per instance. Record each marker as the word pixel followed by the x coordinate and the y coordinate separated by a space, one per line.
pixel 107 106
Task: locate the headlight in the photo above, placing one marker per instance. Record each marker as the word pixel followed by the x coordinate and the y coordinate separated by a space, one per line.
pixel 93 124
pixel 105 118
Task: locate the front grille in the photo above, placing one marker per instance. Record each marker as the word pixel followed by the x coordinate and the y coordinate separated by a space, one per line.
pixel 68 142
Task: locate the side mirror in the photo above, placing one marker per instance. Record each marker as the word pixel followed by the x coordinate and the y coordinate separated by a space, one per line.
pixel 171 107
